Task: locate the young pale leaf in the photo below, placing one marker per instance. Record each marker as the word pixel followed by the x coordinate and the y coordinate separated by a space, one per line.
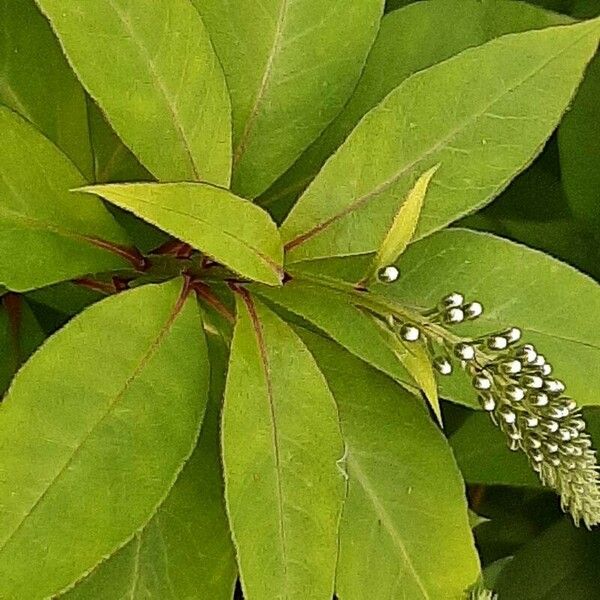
pixel 46 233
pixel 231 230
pixel 335 314
pixel 290 67
pixel 20 335
pixel 404 224
pixel 185 551
pixel 556 306
pixel 403 47
pixel 405 530
pixel 281 443
pixel 165 95
pixel 416 360
pixel 560 563
pixel 579 142
pixel 38 83
pixel 481 114
pixel 85 457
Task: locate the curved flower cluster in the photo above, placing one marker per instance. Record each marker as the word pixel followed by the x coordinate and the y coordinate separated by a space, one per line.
pixel 516 386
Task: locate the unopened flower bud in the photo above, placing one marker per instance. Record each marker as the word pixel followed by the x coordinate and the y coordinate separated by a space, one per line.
pixel 410 333
pixel 388 274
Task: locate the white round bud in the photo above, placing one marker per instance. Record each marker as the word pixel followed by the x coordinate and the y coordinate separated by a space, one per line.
pixel 540 361
pixel 464 351
pixel 410 333
pixel 482 382
pixel 487 402
pixel 550 426
pixel 531 421
pixel 513 335
pixel 551 447
pixel 554 386
pixel 546 369
pixel 442 365
pixel 509 416
pixel 497 342
pixel 533 382
pixel 514 392
pixel 454 315
pixel 511 367
pixel 527 353
pixel 539 399
pixel 453 300
pixel 565 435
pixel 473 310
pixel 388 274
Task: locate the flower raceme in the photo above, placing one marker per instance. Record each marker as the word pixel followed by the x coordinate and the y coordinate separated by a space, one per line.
pixel 516 386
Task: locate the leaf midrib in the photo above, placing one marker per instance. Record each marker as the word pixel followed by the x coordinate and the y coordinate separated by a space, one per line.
pixel 265 364
pixel 264 84
pixel 382 187
pixel 160 85
pixel 385 519
pixel 137 371
pixel 266 260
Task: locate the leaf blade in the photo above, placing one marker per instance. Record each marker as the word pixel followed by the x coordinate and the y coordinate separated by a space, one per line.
pixel 288 426
pixel 473 137
pixel 230 229
pixel 50 461
pixel 281 59
pixel 149 95
pixel 48 235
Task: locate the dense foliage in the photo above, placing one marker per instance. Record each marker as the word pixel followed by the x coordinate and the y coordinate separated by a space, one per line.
pixel 262 333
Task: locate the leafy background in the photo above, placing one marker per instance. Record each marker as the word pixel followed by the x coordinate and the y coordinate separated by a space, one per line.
pixel 280 143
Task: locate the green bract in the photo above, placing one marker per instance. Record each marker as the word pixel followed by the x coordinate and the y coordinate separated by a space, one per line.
pixel 244 352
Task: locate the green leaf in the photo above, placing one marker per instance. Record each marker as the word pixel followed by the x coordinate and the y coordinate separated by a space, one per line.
pixel 483 456
pixel 403 47
pixel 185 551
pixel 20 335
pixel 167 100
pixel 481 114
pixel 560 563
pixel 416 360
pixel 47 234
pixel 405 530
pixel 230 229
pixel 334 314
pixel 281 442
pixel 404 225
pixel 290 67
pixel 579 139
pixel 85 458
pixel 556 306
pixel 38 83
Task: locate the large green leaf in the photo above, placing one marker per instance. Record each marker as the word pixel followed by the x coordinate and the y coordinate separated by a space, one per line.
pixel 556 306
pixel 404 46
pixel 560 563
pixel 579 138
pixel 153 71
pixel 85 457
pixel 38 83
pixel 281 443
pixel 231 230
pixel 185 551
pixel 48 234
pixel 405 531
pixel 481 114
pixel 20 335
pixel 290 67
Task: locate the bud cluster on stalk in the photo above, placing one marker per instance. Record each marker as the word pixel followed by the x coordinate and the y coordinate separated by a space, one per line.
pixel 516 386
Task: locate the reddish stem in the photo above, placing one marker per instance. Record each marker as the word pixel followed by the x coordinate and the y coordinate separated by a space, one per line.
pixel 204 292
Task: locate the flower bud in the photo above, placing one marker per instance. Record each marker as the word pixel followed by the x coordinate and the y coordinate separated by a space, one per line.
pixel 388 274
pixel 410 333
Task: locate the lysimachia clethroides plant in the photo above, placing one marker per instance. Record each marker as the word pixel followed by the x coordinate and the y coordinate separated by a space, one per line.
pixel 229 220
